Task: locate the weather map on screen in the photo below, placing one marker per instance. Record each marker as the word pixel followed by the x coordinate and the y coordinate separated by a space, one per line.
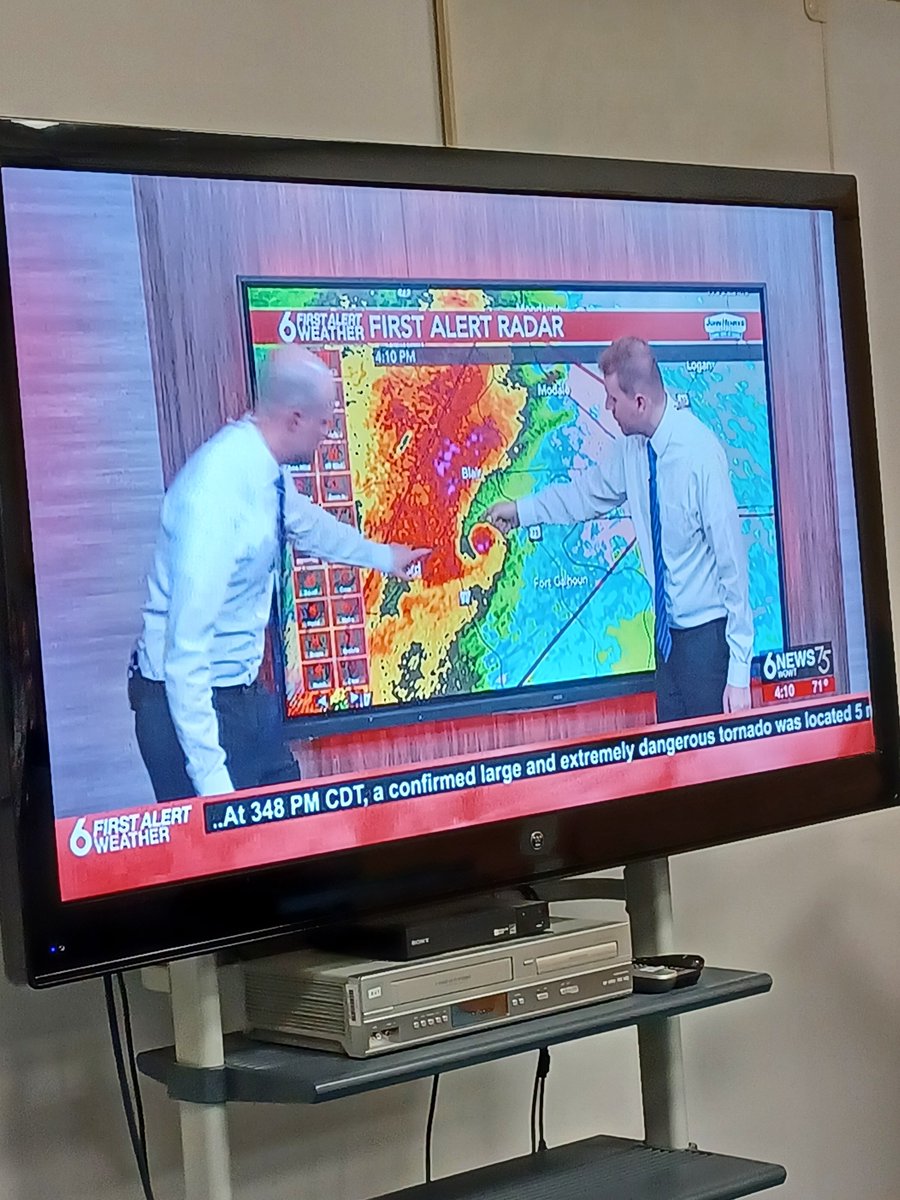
pixel 452 397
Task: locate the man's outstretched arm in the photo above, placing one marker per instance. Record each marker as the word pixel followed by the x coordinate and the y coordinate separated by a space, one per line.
pixel 317 532
pixel 589 494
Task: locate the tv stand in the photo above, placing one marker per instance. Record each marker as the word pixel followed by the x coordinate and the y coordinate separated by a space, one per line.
pixel 205 1071
pixel 648 898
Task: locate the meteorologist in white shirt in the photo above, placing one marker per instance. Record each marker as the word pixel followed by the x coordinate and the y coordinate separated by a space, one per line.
pixel 672 472
pixel 205 724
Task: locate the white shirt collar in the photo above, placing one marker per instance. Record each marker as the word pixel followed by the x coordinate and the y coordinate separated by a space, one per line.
pixel 662 435
pixel 258 448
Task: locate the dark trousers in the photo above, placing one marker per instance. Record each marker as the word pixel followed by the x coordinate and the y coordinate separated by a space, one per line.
pixel 693 680
pixel 250 733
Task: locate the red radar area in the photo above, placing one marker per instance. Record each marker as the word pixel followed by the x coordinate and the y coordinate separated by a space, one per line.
pixel 482 538
pixel 419 488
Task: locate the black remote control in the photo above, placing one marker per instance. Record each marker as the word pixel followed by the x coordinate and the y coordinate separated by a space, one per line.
pixel 662 972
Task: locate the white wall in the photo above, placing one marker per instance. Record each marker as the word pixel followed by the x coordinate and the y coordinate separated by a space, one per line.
pixel 737 82
pixel 809 1076
pixel 353 69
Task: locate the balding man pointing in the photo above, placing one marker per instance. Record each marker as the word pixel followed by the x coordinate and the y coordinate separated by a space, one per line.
pixel 205 725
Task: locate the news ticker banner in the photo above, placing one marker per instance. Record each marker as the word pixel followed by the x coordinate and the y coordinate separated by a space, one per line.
pixel 441 327
pixel 135 848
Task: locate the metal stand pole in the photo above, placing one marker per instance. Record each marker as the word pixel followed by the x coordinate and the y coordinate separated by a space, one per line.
pixel 649 900
pixel 197 1016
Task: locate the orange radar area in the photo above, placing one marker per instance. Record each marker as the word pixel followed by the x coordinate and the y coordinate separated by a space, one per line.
pixel 423 439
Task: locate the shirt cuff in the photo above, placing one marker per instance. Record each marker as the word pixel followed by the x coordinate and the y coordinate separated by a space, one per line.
pixel 738 673
pixel 525 511
pixel 217 783
pixel 382 557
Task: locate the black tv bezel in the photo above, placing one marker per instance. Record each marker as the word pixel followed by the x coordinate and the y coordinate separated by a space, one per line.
pixel 203 915
pixel 508 700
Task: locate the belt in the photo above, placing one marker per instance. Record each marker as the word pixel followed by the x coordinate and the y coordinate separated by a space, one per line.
pixel 134 672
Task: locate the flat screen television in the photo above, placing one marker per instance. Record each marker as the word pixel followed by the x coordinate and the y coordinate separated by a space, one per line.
pixel 627 409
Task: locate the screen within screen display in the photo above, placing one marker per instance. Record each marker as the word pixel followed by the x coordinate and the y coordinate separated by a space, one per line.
pixel 361 513
pixel 475 395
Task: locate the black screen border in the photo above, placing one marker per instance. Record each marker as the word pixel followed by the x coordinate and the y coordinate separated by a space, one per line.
pixel 198 916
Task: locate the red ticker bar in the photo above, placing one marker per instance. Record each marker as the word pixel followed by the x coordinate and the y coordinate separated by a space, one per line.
pixel 797 689
pixel 101 853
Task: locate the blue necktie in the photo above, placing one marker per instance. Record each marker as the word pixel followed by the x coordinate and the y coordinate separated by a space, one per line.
pixel 663 629
pixel 279 549
pixel 279 488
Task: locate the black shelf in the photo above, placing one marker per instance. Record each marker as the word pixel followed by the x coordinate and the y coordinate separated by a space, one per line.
pixel 259 1072
pixel 606 1168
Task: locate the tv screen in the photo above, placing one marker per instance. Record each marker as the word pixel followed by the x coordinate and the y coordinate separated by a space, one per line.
pixel 473 395
pixel 382 524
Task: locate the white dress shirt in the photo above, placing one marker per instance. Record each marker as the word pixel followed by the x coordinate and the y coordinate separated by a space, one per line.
pixel 210 588
pixel 703 549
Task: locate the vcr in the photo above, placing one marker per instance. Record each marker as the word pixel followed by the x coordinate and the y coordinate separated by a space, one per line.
pixel 335 1002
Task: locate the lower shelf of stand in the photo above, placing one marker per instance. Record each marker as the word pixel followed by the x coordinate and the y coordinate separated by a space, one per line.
pixel 266 1073
pixel 606 1168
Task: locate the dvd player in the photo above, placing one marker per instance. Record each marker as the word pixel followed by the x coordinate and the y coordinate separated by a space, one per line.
pixel 439 929
pixel 345 1004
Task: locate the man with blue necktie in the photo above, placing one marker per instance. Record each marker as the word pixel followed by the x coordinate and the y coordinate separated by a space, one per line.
pixel 671 471
pixel 205 724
